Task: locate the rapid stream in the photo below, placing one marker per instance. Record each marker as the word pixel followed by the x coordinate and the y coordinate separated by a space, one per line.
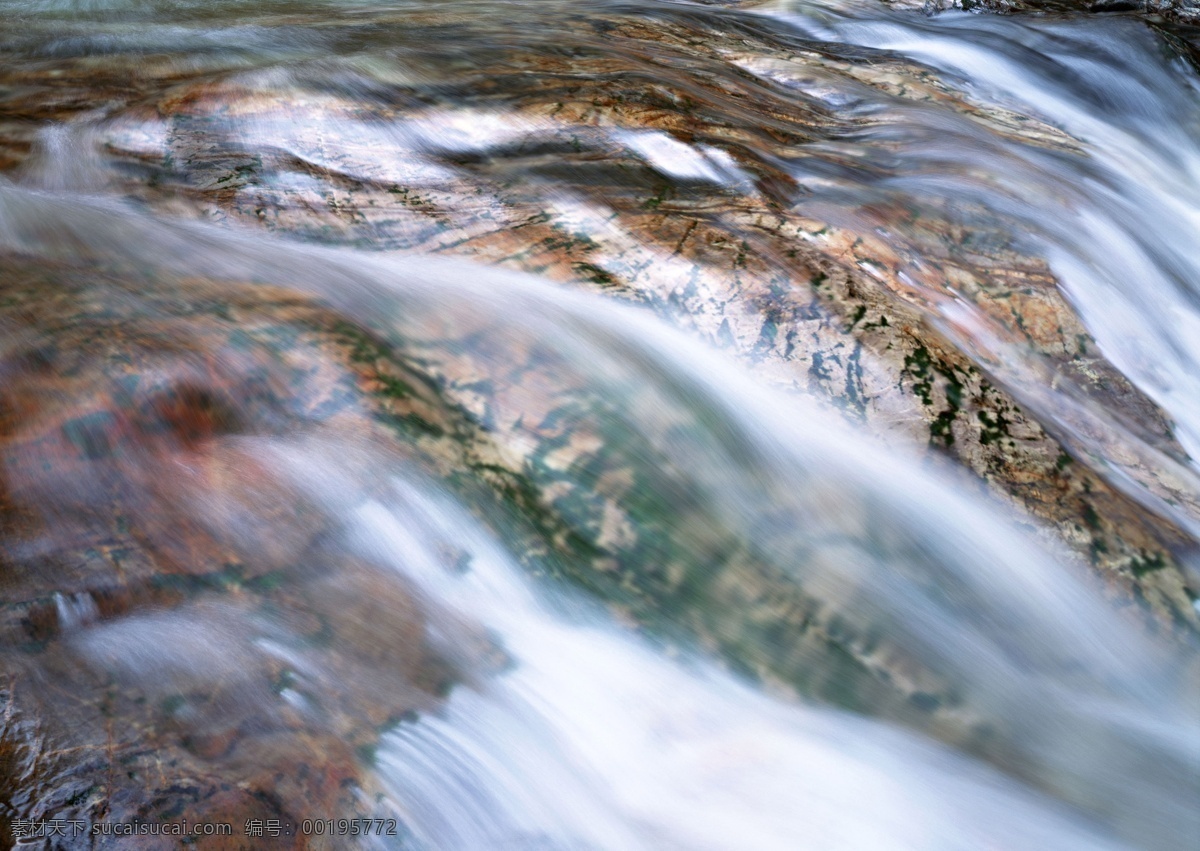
pixel 321 480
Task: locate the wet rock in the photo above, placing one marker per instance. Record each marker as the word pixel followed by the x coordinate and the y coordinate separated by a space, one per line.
pixel 848 313
pixel 178 643
pixel 1176 10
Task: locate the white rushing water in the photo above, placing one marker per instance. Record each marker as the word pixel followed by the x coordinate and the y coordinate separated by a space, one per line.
pixel 592 738
pixel 581 691
pixel 596 740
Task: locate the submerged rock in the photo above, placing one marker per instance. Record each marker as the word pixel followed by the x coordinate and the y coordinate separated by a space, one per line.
pixel 179 644
pixel 559 152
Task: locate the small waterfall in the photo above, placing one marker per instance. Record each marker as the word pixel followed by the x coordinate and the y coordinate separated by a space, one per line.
pixel 599 426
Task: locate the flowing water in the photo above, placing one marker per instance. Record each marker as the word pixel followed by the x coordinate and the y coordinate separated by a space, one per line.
pixel 519 552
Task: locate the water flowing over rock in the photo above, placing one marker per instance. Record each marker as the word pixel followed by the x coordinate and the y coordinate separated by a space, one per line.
pixel 358 357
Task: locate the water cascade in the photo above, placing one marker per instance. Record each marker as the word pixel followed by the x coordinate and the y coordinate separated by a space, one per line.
pixel 602 425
